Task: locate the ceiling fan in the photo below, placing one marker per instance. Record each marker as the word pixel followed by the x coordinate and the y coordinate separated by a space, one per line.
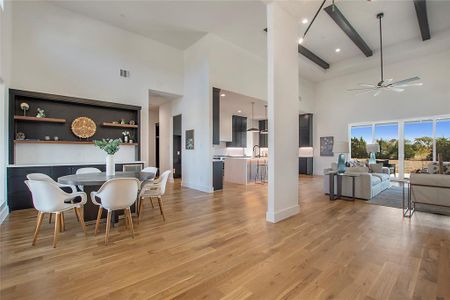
pixel 385 85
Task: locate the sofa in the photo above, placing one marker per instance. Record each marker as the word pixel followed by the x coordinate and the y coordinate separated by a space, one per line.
pixel 367 184
pixel 438 191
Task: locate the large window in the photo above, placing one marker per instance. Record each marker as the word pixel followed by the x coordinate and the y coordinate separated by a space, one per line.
pixel 443 139
pixel 418 145
pixel 360 137
pixel 421 142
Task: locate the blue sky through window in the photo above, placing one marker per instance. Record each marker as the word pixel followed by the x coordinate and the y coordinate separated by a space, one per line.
pixel 418 129
pixel 386 131
pixel 362 131
pixel 443 128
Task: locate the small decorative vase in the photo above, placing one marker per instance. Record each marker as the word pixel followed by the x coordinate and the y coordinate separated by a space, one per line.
pixel 125 139
pixel 110 165
pixel 341 163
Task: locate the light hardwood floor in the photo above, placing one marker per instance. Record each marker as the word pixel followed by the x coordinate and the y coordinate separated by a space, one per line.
pixel 219 246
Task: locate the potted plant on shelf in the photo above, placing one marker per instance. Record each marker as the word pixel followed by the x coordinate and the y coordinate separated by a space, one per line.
pixel 111 147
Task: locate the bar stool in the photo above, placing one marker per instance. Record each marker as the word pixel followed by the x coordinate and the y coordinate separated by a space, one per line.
pixel 261 171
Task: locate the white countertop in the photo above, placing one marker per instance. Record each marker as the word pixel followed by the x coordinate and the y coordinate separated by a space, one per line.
pixel 74 164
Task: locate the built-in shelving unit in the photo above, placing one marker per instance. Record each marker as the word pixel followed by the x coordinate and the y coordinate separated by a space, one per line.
pixel 61 111
pixel 64 142
pixel 36 119
pixel 107 124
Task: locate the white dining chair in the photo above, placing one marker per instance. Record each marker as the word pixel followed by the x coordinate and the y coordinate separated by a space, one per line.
pixel 116 194
pixel 49 198
pixel 41 176
pixel 154 189
pixel 153 170
pixel 86 171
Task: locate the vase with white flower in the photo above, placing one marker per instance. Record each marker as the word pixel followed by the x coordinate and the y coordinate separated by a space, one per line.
pixel 126 136
pixel 111 147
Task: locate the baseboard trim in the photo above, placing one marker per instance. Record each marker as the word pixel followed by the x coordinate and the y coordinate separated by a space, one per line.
pixel 4 211
pixel 281 215
pixel 201 188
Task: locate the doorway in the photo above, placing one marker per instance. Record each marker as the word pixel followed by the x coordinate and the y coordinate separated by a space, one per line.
pixel 177 146
pixel 157 145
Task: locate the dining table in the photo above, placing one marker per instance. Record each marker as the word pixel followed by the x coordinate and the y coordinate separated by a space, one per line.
pixel 90 182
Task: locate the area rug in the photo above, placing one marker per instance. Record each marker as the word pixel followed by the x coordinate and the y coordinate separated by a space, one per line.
pixel 392 197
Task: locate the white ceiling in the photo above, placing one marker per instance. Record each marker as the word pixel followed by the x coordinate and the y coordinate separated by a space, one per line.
pixel 241 105
pixel 181 23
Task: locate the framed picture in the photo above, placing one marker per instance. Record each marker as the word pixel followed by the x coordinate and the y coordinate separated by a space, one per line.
pixel 190 139
pixel 326 146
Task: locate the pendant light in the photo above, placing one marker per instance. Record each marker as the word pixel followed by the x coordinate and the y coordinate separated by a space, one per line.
pixel 252 129
pixel 265 130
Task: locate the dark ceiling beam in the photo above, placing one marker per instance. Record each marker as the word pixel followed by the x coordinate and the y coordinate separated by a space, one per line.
pixel 421 11
pixel 312 57
pixel 345 25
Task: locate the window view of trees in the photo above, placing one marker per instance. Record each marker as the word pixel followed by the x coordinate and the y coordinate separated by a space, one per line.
pixel 418 142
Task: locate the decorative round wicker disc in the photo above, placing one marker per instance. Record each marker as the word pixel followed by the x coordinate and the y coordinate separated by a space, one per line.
pixel 83 127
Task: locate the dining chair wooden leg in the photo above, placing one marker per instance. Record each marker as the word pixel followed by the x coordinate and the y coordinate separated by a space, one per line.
pixel 61 223
pixel 97 223
pixel 126 218
pixel 40 217
pixel 161 208
pixel 128 213
pixel 108 224
pixel 57 228
pixel 78 214
pixel 141 210
pixel 151 201
pixel 50 218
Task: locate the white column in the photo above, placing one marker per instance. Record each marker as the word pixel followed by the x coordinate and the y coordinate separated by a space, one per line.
pixel 283 111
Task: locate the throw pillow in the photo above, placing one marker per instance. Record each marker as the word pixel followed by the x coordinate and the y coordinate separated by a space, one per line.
pixel 376 168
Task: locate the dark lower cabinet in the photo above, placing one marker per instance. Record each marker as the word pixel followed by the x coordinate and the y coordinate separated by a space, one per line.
pixel 19 196
pixel 217 175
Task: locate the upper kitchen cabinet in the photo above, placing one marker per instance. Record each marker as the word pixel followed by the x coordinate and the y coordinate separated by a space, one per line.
pixel 239 132
pixel 263 138
pixel 305 130
pixel 216 116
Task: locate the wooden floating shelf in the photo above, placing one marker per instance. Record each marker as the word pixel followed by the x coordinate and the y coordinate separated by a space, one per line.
pixel 106 124
pixel 64 142
pixel 36 119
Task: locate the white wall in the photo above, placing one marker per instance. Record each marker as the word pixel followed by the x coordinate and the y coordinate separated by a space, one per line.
pixel 335 108
pixel 5 27
pixel 61 52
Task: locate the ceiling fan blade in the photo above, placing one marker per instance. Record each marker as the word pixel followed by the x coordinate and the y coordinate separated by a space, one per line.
pixel 406 80
pixel 407 85
pixel 395 89
pixel 368 85
pixel 360 89
pixel 377 93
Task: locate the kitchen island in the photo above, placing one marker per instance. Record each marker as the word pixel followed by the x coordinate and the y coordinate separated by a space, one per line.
pixel 242 169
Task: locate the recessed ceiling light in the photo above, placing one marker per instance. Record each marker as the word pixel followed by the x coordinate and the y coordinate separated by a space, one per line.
pixel 239 111
pixel 304 21
pixel 222 95
pixel 337 50
pixel 300 40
